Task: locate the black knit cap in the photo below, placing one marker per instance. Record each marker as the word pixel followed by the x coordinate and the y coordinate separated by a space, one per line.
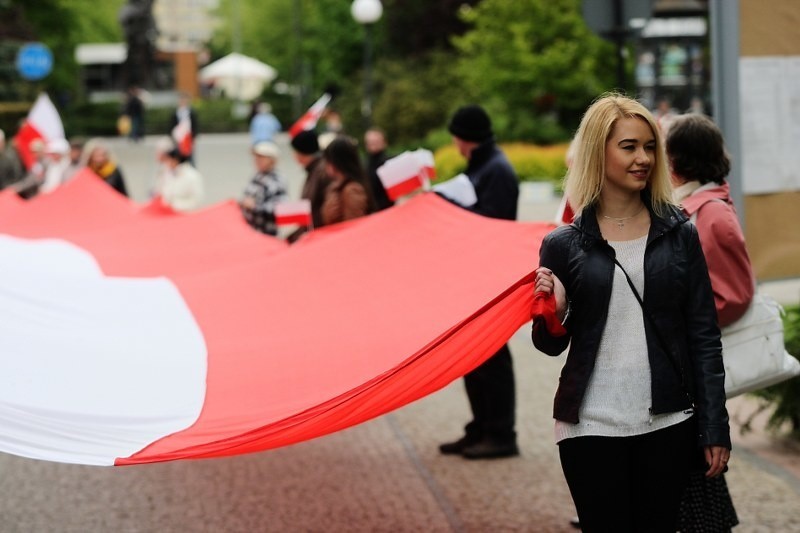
pixel 306 142
pixel 471 123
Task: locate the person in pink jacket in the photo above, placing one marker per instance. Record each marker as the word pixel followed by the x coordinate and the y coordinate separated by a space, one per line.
pixel 699 164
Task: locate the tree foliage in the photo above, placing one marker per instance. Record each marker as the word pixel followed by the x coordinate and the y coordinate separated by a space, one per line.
pixel 310 42
pixel 61 25
pixel 317 43
pixel 415 96
pixel 415 28
pixel 533 63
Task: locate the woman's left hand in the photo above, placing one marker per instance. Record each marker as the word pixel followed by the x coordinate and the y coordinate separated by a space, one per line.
pixel 717 458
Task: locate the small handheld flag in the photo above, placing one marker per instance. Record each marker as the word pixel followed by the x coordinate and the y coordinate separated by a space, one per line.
pixel 182 135
pixel 288 213
pixel 43 122
pixel 406 173
pixel 310 118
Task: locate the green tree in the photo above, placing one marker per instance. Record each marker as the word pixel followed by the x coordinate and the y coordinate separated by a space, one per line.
pixel 534 64
pixel 61 25
pixel 415 28
pixel 312 42
pixel 318 43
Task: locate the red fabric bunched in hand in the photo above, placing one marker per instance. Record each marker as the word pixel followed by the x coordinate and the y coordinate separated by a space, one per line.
pixel 544 310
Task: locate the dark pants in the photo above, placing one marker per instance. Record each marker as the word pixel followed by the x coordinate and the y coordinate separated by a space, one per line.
pixel 490 389
pixel 629 484
pixel 137 128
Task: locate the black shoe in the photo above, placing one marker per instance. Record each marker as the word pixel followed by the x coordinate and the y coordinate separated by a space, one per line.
pixel 455 448
pixel 489 449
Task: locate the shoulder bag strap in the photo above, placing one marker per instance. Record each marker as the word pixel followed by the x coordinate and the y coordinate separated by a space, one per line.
pixel 664 346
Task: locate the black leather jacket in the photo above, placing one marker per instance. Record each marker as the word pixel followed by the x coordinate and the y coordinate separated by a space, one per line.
pixel 677 297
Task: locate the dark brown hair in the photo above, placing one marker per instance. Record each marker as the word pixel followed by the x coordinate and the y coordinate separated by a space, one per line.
pixel 696 149
pixel 342 153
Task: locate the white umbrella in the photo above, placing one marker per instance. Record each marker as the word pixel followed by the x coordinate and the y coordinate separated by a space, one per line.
pixel 239 76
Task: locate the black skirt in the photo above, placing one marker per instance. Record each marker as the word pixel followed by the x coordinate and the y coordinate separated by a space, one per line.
pixel 707 506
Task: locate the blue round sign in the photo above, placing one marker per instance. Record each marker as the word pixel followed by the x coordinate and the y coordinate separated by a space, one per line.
pixel 34 61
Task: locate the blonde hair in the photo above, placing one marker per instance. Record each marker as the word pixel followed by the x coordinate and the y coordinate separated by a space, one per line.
pixel 586 175
pixel 92 145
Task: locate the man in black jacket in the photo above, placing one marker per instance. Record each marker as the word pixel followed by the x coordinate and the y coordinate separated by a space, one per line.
pixel 490 387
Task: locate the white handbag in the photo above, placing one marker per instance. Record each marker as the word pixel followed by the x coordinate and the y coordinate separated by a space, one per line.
pixel 753 351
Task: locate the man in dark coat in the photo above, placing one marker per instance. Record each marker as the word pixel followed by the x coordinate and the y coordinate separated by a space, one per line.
pixel 490 387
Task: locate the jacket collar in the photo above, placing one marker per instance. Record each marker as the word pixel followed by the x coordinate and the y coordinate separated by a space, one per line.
pixel 587 224
pixel 704 194
pixel 480 154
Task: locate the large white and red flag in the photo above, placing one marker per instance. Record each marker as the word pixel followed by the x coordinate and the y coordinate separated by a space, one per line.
pixel 42 123
pixel 310 118
pixel 148 337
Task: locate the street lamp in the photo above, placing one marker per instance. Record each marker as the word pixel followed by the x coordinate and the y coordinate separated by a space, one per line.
pixel 366 13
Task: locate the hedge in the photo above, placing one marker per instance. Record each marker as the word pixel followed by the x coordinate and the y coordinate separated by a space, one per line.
pixel 784 398
pixel 531 162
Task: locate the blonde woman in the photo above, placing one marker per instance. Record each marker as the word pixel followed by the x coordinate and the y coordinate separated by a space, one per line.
pixel 98 157
pixel 642 388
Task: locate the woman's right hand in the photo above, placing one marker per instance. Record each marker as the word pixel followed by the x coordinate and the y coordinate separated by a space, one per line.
pixel 548 283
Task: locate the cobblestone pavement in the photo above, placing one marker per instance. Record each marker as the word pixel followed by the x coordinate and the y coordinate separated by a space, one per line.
pixel 383 476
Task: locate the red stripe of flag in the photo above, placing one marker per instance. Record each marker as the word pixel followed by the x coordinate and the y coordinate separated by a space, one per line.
pixel 403 187
pixel 25 136
pixel 288 213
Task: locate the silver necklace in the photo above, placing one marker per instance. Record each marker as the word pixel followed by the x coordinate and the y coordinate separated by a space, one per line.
pixel 620 221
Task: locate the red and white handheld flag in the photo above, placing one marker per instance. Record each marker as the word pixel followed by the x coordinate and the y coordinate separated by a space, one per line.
pixel 406 173
pixel 182 135
pixel 44 123
pixel 425 158
pixel 289 213
pixel 310 118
